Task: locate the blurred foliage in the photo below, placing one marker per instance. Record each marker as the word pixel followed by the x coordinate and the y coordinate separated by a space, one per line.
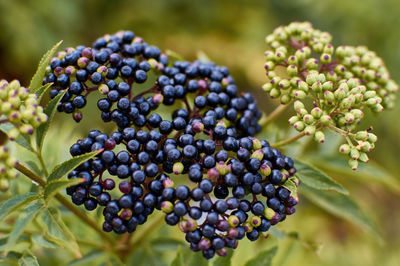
pixel 231 33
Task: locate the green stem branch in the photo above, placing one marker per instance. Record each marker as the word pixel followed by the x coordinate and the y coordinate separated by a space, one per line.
pixel 288 141
pixel 66 203
pixel 276 113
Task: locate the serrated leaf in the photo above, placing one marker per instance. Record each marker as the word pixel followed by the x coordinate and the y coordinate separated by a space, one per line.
pixel 317 179
pixel 38 77
pixel 164 244
pixel 49 110
pixel 224 261
pixel 370 171
pixel 41 241
pixel 57 231
pixel 42 90
pixel 64 168
pixel 28 260
pixel 17 202
pixel 340 205
pixel 264 258
pixel 24 218
pixel 89 258
pixel 54 186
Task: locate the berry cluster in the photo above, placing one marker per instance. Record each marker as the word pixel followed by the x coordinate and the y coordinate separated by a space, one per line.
pixel 237 185
pixel 7 171
pixel 122 57
pixel 302 65
pixel 20 108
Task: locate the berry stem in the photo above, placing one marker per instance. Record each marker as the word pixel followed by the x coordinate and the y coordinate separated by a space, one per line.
pixel 288 141
pixel 4 121
pixel 272 116
pixel 66 203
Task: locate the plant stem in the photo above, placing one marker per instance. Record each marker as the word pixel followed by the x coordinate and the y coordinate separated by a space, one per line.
pixel 40 157
pixel 30 174
pixel 287 141
pixel 272 116
pixel 66 203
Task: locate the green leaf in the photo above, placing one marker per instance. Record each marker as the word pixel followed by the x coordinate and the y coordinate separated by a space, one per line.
pixel 166 244
pixel 186 257
pixel 37 79
pixel 224 261
pixel 264 258
pixel 64 168
pixel 49 110
pixel 173 56
pixel 203 57
pixel 24 218
pixel 41 241
pixel 315 178
pixel 370 171
pixel 290 184
pixel 57 231
pixel 23 140
pixel 9 262
pixel 17 202
pixel 340 205
pixel 28 260
pixel 42 90
pixel 89 258
pixel 54 186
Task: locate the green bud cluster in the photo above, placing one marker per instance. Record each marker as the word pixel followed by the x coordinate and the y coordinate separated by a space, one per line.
pixel 303 67
pixel 7 171
pixel 20 108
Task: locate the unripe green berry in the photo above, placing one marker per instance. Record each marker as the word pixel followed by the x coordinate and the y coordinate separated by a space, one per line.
pixel 319 136
pixel 316 112
pixel 293 120
pixel 233 221
pixel 299 126
pixel 325 119
pixel 362 135
pixel 269 213
pixel 298 105
pixel 344 148
pixel 309 130
pixel 308 119
pixel 353 164
pixel 354 153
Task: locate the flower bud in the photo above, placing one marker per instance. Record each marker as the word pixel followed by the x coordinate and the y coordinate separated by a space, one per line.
pixel 309 130
pixel 319 136
pixel 353 164
pixel 344 148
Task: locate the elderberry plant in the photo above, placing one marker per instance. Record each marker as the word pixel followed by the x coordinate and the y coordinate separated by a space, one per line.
pixel 187 142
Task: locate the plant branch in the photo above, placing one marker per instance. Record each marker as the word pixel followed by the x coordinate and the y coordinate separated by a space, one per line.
pixel 272 116
pixel 4 121
pixel 66 203
pixel 288 141
pixel 31 175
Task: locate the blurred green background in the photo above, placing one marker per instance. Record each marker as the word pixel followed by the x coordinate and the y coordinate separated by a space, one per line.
pixel 232 34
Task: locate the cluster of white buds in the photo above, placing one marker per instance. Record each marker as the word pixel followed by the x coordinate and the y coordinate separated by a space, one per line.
pixel 329 87
pixel 21 108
